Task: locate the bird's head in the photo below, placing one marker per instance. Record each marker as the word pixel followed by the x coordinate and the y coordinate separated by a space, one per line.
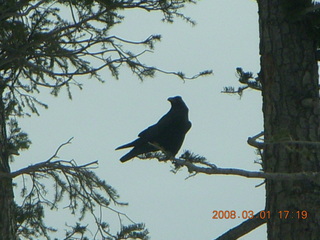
pixel 175 99
pixel 177 102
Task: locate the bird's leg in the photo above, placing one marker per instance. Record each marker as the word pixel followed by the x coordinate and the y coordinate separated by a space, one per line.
pixel 157 146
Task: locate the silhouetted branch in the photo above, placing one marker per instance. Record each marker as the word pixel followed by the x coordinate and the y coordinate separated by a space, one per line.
pixel 193 168
pixel 80 190
pixel 248 81
pixel 253 141
pixel 197 164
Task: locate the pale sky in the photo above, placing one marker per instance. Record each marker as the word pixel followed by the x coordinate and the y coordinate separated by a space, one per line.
pixel 104 116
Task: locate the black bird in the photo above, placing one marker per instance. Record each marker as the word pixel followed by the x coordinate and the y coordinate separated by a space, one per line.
pixel 167 134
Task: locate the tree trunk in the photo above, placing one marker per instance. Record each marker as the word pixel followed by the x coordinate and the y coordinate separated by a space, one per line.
pixel 289 76
pixel 7 216
pixel 7 219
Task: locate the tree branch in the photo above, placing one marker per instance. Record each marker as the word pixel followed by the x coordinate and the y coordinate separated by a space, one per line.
pixel 83 190
pixel 197 164
pixel 209 169
pixel 56 165
pixel 213 170
pixel 253 141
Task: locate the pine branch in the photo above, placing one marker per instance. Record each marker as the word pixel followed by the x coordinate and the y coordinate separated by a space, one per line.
pixel 63 165
pixel 197 164
pixel 78 187
pixel 205 168
pixel 42 49
pixel 213 170
pixel 247 80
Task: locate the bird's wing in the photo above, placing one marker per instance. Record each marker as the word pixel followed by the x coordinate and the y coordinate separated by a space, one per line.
pixel 153 131
pixel 150 133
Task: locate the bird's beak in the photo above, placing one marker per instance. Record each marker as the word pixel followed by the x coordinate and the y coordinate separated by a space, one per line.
pixel 170 99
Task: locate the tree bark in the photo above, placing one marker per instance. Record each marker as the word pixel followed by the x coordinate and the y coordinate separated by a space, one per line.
pixel 289 76
pixel 7 210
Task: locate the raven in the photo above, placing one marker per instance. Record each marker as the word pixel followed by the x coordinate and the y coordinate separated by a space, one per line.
pixel 166 135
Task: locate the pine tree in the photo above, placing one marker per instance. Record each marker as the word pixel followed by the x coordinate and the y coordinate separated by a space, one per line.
pixel 43 47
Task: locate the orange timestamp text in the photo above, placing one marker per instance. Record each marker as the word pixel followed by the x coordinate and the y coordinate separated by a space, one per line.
pixel 249 214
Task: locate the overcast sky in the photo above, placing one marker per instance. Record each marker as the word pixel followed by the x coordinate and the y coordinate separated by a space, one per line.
pixel 104 116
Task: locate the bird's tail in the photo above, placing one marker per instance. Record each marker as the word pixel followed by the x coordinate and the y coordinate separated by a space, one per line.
pixel 128 156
